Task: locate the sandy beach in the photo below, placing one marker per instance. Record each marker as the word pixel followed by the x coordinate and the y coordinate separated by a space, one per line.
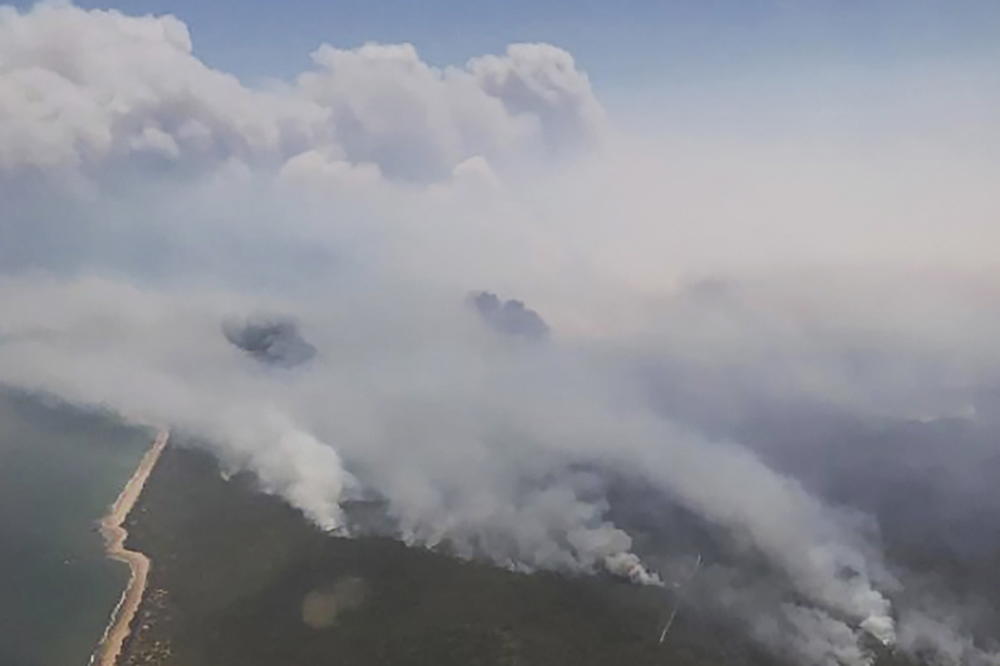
pixel 114 535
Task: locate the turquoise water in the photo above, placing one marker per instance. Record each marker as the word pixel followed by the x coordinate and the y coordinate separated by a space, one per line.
pixel 60 469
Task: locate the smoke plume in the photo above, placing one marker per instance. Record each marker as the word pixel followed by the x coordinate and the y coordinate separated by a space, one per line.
pixel 784 364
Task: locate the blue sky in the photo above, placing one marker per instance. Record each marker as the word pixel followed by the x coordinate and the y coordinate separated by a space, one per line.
pixel 821 68
pixel 627 45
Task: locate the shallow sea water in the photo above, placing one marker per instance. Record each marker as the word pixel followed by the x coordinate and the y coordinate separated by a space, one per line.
pixel 60 469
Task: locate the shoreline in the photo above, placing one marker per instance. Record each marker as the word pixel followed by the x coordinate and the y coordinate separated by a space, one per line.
pixel 111 527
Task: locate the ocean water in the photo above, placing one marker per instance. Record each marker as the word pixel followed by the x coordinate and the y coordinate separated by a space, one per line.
pixel 60 469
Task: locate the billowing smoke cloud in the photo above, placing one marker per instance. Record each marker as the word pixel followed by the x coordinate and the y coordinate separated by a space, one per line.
pixel 149 197
pixel 95 93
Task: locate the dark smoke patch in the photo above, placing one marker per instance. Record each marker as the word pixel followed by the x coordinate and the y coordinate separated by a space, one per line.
pixel 510 317
pixel 271 340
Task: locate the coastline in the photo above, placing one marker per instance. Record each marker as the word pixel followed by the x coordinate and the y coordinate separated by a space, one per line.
pixel 442 610
pixel 111 527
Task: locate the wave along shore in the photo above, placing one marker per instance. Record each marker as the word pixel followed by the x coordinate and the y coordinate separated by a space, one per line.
pixel 114 535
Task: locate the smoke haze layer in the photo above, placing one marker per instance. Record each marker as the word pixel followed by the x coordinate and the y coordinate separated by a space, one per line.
pixel 738 356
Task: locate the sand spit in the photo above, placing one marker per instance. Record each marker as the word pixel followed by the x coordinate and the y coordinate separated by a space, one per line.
pixel 114 535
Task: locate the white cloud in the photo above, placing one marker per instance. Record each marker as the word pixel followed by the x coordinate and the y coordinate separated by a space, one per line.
pixel 92 89
pixel 542 81
pixel 87 89
pixel 315 169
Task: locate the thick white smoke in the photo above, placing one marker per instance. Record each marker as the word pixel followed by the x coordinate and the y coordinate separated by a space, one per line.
pixel 152 198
